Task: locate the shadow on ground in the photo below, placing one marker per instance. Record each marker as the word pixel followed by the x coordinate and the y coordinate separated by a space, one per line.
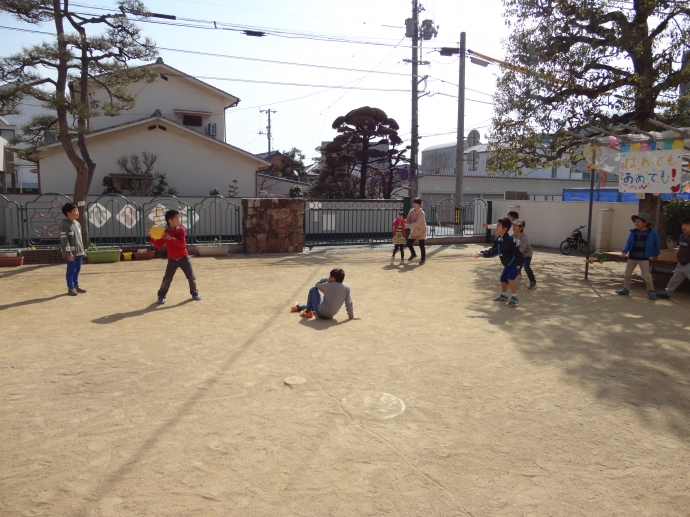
pixel 620 348
pixel 154 307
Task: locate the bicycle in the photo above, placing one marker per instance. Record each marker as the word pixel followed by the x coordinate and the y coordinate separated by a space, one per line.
pixel 574 241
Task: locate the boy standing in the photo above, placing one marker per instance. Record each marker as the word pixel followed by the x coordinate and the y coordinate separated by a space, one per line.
pixel 521 240
pixel 335 293
pixel 178 257
pixel 511 257
pixel 72 247
pixel 643 244
pixel 683 267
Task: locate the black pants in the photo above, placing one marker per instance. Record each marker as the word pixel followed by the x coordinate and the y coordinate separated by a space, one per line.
pixel 421 247
pixel 400 247
pixel 186 266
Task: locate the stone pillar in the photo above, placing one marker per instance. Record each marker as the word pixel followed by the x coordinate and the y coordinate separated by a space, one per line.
pixel 273 225
pixel 603 239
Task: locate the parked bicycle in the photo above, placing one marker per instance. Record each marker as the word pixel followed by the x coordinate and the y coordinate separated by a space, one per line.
pixel 574 241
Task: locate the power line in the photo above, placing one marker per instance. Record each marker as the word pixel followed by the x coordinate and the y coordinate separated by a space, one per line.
pixel 455 97
pixel 210 54
pixel 466 88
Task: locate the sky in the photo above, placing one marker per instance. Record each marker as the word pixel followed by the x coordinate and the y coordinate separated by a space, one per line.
pixel 304 115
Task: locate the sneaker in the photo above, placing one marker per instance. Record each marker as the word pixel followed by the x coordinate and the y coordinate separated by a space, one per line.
pixel 161 301
pixel 513 302
pixel 196 298
pixel 402 262
pixel 393 257
pixel 651 294
pixel 306 313
pixel 519 277
pixel 532 285
pixel 501 298
pixel 623 292
pixel 663 295
pixel 412 257
pixel 72 291
pixel 422 262
pixel 294 307
pixel 80 290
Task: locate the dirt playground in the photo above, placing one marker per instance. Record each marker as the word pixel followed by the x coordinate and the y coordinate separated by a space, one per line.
pixel 439 402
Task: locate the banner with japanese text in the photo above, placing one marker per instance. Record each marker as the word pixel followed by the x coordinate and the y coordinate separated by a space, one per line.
pixel 653 167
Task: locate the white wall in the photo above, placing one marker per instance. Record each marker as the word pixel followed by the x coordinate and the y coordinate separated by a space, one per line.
pixel 193 165
pixel 167 96
pixel 549 223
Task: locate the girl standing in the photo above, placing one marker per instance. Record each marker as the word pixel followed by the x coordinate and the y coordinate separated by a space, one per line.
pixel 526 249
pixel 399 227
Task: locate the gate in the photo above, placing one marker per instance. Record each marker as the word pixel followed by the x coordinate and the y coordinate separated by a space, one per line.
pixel 42 218
pixel 336 222
pixel 114 220
pixel 217 219
pixel 11 216
pixel 447 218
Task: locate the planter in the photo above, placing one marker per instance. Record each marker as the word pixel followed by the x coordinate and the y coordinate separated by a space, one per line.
pixel 104 255
pixel 11 261
pixel 144 255
pixel 127 255
pixel 212 251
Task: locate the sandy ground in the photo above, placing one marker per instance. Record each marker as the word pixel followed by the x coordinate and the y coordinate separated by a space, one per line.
pixel 439 402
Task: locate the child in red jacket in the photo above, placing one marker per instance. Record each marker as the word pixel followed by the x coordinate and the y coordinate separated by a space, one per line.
pixel 178 257
pixel 399 236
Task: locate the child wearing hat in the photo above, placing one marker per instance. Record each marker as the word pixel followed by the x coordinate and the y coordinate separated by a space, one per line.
pixel 522 241
pixel 643 244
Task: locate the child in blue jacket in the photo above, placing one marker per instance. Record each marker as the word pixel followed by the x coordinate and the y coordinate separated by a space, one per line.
pixel 643 244
pixel 511 257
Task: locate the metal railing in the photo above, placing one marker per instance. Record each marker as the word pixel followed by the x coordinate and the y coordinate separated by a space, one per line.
pixel 115 220
pixel 447 218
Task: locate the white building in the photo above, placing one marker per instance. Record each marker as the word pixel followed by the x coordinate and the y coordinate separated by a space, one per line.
pixel 178 118
pixel 437 178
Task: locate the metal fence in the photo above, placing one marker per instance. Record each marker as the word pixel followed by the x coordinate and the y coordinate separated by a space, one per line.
pixel 329 222
pixel 115 220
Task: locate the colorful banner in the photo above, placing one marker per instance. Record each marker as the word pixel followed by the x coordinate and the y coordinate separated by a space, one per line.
pixel 654 167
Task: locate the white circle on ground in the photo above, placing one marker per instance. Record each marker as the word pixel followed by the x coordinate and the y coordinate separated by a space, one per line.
pixel 295 380
pixel 374 404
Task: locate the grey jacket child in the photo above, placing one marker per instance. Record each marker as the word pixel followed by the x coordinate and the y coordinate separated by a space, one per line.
pixel 70 238
pixel 334 295
pixel 523 243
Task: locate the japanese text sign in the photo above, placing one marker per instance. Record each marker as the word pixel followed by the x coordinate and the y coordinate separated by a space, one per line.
pixel 653 167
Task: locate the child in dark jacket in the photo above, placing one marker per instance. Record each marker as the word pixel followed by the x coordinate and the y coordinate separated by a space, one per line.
pixel 511 257
pixel 178 257
pixel 683 267
pixel 643 244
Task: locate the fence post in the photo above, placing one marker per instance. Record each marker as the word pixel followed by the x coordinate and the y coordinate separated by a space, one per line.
pixel 489 210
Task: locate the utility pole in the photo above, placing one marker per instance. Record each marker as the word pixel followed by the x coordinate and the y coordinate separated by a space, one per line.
pixel 414 152
pixel 268 128
pixel 460 150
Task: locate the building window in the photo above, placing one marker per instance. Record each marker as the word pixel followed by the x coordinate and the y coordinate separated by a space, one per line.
pixel 7 134
pixel 191 120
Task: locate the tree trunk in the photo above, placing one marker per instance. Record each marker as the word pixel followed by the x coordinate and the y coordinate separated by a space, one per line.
pixel 363 169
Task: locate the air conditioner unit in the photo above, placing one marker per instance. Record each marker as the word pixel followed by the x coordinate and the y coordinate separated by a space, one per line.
pixel 211 129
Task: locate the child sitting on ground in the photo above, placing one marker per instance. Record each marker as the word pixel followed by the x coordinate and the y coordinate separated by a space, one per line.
pixel 526 249
pixel 178 257
pixel 335 293
pixel 399 237
pixel 643 244
pixel 511 257
pixel 682 270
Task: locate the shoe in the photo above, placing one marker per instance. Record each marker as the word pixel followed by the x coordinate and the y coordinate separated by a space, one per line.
pixel 72 291
pixel 513 302
pixel 161 301
pixel 422 262
pixel 651 294
pixel 306 313
pixel 412 257
pixel 196 298
pixel 532 285
pixel 501 298
pixel 80 290
pixel 402 262
pixel 519 277
pixel 294 307
pixel 393 257
pixel 663 295
pixel 623 292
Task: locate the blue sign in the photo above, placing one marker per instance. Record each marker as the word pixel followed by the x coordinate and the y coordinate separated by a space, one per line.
pixel 404 175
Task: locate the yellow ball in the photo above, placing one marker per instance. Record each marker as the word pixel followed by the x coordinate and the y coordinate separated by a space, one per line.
pixel 157 232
